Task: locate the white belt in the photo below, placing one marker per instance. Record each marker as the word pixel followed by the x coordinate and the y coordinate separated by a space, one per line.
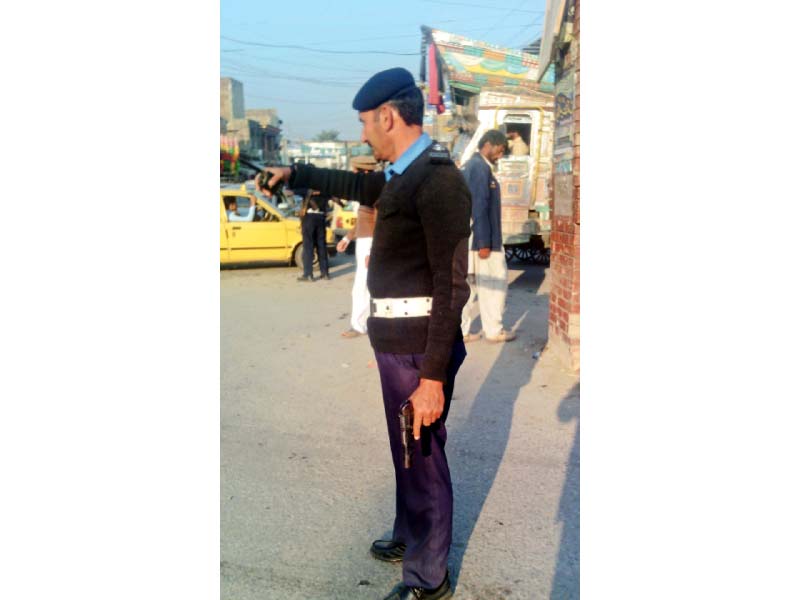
pixel 395 308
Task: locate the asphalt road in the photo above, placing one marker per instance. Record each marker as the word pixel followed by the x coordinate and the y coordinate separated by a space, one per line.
pixel 306 475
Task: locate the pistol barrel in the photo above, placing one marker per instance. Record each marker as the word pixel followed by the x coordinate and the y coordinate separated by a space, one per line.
pixel 406 432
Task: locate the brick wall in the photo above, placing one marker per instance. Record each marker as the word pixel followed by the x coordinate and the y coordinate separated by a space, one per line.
pixel 565 263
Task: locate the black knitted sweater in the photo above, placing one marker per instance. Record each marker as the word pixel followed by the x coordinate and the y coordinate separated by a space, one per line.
pixel 419 248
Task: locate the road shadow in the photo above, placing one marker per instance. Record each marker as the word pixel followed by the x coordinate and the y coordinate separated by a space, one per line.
pixel 566 579
pixel 483 436
pixel 339 265
pixel 253 265
pixel 339 268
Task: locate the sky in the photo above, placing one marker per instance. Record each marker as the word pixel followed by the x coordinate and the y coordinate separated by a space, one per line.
pixel 347 42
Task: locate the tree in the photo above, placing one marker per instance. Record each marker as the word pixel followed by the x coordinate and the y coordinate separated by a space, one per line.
pixel 327 135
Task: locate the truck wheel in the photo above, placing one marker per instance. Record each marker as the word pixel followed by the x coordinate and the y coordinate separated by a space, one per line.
pixel 524 253
pixel 542 257
pixel 509 254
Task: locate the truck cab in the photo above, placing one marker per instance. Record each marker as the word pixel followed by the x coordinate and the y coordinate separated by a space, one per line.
pixel 524 180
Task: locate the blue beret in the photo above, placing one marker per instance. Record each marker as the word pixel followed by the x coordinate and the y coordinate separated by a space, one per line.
pixel 382 87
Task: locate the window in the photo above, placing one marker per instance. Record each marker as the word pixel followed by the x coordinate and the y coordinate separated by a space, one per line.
pixel 242 204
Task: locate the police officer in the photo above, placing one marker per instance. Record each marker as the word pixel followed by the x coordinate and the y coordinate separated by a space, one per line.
pixel 313 229
pixel 418 287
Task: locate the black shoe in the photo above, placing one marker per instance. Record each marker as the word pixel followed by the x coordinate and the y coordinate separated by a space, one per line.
pixel 404 592
pixel 388 550
pixel 326 276
pixel 305 278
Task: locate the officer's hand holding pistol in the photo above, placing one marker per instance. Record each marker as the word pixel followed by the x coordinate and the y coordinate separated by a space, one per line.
pixel 428 403
pixel 276 175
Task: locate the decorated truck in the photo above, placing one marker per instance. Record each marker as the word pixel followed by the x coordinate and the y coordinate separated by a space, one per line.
pixel 228 158
pixel 525 190
pixel 471 87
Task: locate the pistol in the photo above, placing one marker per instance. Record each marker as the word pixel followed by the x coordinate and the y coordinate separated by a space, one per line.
pixel 275 190
pixel 266 175
pixel 407 431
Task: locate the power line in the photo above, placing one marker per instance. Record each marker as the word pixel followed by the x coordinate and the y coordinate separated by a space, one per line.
pixel 417 35
pixel 292 100
pixel 503 18
pixel 381 17
pixel 253 72
pixel 294 47
pixel 338 66
pixel 517 36
pixel 328 68
pixel 238 63
pixel 535 12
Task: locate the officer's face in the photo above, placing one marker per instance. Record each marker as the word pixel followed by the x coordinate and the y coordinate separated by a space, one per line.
pixel 372 132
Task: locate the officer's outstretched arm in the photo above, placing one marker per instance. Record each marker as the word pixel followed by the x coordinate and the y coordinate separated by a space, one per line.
pixel 361 187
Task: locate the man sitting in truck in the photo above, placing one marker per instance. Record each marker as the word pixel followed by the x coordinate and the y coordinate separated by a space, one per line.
pixel 516 145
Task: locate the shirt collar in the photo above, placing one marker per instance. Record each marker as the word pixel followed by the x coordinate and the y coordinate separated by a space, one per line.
pixel 486 160
pixel 411 153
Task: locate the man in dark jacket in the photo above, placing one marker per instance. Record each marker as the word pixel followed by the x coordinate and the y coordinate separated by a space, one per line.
pixel 312 224
pixel 417 283
pixel 487 259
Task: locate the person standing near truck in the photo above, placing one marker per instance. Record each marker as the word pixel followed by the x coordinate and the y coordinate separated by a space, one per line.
pixel 487 260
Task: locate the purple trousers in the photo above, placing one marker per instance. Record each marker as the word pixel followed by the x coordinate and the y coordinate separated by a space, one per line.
pixel 424 517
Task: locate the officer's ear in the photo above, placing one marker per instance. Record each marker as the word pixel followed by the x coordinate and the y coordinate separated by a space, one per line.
pixel 386 117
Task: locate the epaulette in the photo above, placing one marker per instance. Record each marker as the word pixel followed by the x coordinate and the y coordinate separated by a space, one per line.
pixel 439 155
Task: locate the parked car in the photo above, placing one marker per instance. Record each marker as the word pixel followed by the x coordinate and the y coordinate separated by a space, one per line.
pixel 343 219
pixel 274 236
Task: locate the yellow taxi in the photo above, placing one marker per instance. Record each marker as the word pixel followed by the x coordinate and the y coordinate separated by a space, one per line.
pixel 273 236
pixel 344 218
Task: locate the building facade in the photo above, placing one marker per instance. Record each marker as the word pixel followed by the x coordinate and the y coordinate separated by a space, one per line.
pixel 257 131
pixel 327 155
pixel 268 137
pixel 561 46
pixel 231 99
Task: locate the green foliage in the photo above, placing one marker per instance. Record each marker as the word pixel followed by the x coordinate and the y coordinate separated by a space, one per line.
pixel 327 135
